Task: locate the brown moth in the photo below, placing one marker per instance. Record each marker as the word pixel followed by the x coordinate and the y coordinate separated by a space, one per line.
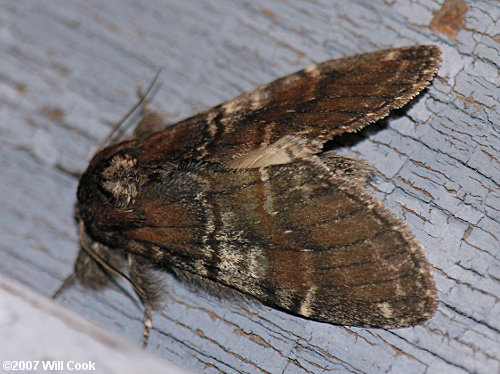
pixel 242 197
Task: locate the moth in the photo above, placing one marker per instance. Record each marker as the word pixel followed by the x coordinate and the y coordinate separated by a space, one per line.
pixel 243 197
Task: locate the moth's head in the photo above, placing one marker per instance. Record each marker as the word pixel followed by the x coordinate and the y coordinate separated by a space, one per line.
pixel 108 189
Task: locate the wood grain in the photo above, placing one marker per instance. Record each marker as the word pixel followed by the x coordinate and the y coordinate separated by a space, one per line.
pixel 69 69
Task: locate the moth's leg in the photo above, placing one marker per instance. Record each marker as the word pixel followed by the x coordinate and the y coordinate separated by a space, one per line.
pixel 149 288
pixel 83 266
pixel 65 284
pixel 89 272
pixel 92 274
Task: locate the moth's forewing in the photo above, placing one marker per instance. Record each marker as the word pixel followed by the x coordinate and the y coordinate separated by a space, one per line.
pixel 316 103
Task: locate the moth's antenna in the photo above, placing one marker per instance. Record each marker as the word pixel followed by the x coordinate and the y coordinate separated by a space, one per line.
pixel 142 100
pixel 101 261
pixel 147 320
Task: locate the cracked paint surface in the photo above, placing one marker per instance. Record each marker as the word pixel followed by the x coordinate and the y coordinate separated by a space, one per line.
pixel 437 162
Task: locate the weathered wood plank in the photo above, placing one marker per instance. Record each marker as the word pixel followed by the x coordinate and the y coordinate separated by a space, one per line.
pixel 68 69
pixel 40 336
